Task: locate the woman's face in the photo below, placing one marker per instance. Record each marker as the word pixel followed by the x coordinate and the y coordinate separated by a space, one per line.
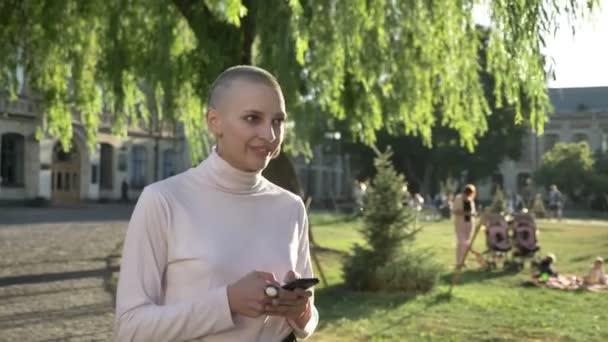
pixel 249 123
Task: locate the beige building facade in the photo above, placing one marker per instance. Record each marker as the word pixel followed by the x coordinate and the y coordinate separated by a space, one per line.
pixel 579 114
pixel 39 169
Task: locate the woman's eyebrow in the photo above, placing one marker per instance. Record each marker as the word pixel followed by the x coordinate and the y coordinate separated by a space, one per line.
pixel 253 111
pixel 257 112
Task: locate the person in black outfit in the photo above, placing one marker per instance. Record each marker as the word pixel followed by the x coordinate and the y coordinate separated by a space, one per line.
pixel 545 266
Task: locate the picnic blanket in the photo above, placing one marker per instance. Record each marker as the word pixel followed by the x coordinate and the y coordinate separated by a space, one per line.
pixel 566 283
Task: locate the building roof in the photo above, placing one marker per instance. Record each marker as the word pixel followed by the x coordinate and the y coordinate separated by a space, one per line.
pixel 572 100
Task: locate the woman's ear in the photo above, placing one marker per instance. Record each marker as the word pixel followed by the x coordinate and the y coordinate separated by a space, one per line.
pixel 214 122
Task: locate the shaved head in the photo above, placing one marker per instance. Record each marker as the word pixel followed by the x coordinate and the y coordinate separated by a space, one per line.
pixel 240 73
pixel 246 114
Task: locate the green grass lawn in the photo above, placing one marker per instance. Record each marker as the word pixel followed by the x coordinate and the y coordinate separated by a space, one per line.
pixel 485 306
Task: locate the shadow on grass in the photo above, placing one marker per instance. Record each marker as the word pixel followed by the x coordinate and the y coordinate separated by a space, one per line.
pixel 439 298
pixel 337 303
pixel 554 229
pixel 328 219
pixel 328 252
pixel 477 276
pixel 588 257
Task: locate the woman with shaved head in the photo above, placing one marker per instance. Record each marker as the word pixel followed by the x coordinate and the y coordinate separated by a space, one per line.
pixel 204 247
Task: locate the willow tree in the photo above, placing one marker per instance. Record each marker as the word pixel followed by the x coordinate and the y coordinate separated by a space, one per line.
pixel 404 65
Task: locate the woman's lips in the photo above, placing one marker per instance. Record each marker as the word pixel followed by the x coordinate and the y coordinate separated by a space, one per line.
pixel 261 151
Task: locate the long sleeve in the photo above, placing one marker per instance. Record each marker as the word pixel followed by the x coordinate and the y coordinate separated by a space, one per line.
pixel 140 312
pixel 304 268
pixel 458 204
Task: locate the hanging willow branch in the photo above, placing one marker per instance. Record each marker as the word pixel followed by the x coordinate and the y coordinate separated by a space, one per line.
pixel 404 65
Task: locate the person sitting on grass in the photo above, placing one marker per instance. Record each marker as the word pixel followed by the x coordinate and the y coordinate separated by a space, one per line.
pixel 545 271
pixel 597 275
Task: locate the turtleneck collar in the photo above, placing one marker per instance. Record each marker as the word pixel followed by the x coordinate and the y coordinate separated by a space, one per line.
pixel 219 174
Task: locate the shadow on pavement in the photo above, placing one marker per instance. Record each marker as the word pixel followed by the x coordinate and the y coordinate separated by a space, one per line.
pixel 59 276
pixel 17 215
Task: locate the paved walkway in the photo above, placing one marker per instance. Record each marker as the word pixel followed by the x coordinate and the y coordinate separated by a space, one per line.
pixel 53 270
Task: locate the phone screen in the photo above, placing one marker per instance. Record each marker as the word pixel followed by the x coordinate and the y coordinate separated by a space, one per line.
pixel 301 283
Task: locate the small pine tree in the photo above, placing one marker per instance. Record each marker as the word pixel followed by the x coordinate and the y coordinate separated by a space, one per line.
pixel 499 205
pixel 384 263
pixel 387 219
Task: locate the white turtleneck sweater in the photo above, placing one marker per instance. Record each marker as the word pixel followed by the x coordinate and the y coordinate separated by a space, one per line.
pixel 193 234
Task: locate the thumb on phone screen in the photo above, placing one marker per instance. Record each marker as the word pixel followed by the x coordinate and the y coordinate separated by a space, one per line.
pixel 291 275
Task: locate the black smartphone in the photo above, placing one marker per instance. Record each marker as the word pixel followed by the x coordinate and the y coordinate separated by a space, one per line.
pixel 301 283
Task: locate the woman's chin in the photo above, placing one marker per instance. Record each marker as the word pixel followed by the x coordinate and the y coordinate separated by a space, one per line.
pixel 257 164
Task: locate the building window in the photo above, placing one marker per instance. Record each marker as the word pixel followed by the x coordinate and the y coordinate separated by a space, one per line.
pixel 67 181
pixel 497 182
pixel 122 161
pixel 12 158
pixel 168 163
pixel 550 140
pixel 93 175
pixel 523 180
pixel 106 167
pixel 139 165
pixel 75 184
pixel 59 180
pixel 604 146
pixel 579 137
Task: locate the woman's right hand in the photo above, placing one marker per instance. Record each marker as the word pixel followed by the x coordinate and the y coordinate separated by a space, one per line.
pixel 247 297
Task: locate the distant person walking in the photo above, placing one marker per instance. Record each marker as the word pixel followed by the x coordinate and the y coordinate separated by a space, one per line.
pixel 124 191
pixel 463 212
pixel 359 189
pixel 556 202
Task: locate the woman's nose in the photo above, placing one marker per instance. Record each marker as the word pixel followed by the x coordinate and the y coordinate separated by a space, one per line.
pixel 268 132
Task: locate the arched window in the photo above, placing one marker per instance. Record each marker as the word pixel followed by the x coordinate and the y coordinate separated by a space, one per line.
pixel 12 158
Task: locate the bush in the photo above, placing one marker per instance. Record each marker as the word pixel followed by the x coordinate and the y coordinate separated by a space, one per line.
pixel 384 264
pixel 566 165
pixel 538 207
pixel 412 271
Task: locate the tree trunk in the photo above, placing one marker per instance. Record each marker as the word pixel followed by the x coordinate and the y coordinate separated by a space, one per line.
pixel 425 187
pixel 282 172
pixel 248 25
pixel 412 176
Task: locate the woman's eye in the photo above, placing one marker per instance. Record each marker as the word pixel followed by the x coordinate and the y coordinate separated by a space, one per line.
pixel 251 118
pixel 278 121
